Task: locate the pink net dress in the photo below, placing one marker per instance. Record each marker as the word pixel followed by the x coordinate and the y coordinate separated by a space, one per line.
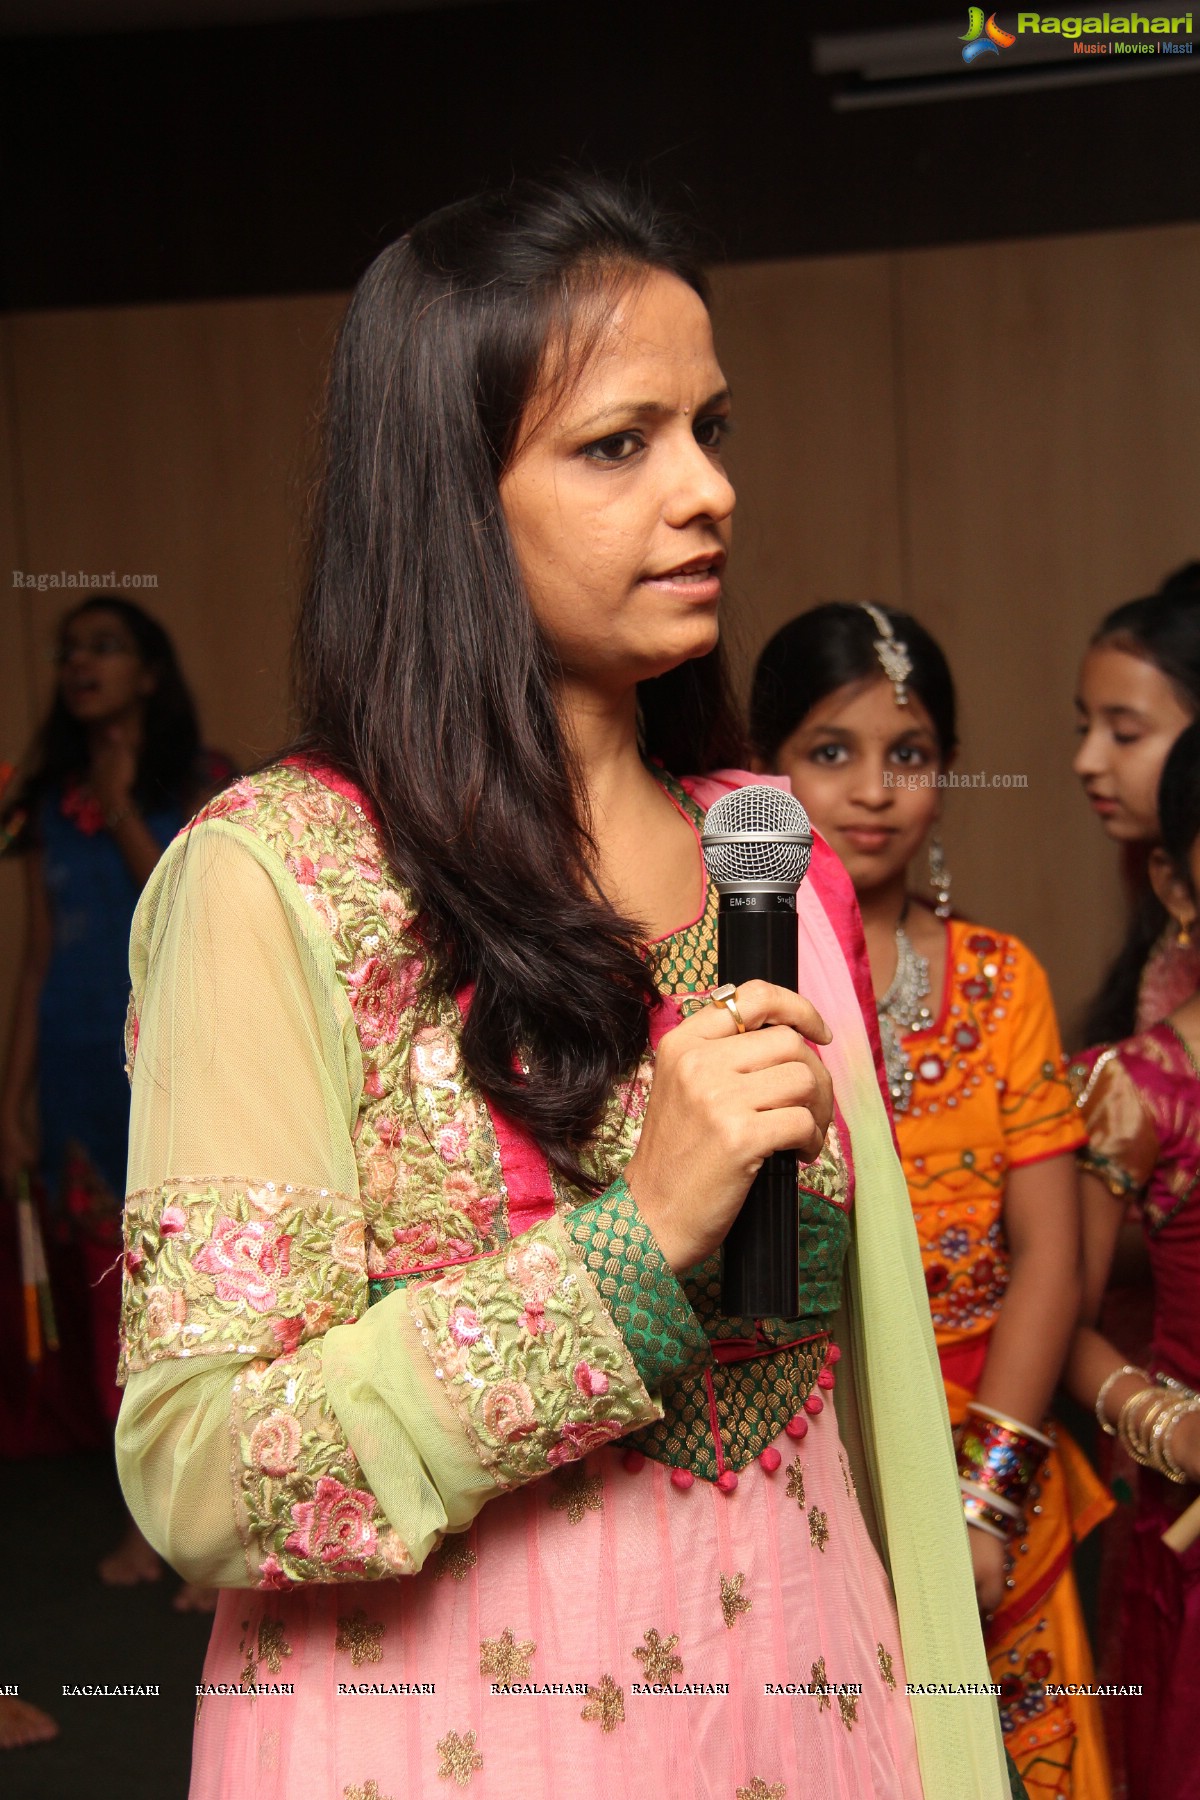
pixel 496 1502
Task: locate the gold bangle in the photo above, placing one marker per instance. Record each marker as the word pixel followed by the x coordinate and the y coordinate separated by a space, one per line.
pixel 1113 1376
pixel 1160 1439
pixel 1135 1419
pixel 1123 1421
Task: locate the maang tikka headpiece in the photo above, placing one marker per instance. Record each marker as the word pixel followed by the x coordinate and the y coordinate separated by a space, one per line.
pixel 891 651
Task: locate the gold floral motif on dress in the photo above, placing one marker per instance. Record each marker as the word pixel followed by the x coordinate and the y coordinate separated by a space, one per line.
pixel 459 1757
pixel 605 1705
pixel 847 1477
pixel 733 1601
pixel 885 1665
pixel 267 1644
pixel 360 1638
pixel 819 1681
pixel 795 1483
pixel 818 1528
pixel 528 1356
pixel 575 1492
pixel 454 1559
pixel 507 1661
pixel 758 1789
pixel 368 1791
pixel 848 1707
pixel 658 1658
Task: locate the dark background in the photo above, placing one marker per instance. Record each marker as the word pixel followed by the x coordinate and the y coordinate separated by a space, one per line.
pixel 274 158
pixel 278 157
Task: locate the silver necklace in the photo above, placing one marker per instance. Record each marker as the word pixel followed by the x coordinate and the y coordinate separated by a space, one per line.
pixel 903 1009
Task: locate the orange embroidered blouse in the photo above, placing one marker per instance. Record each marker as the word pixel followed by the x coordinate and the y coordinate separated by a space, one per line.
pixel 990 1093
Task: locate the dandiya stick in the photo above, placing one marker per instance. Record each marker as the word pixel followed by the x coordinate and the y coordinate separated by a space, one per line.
pixel 42 1277
pixel 27 1238
pixel 1183 1533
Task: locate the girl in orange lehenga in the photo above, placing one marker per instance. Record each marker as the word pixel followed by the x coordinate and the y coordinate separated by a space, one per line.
pixel 856 705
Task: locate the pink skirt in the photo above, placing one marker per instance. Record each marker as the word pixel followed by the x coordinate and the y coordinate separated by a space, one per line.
pixel 601 1633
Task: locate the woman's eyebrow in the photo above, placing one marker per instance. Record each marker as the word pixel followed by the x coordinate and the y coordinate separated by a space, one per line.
pixel 647 409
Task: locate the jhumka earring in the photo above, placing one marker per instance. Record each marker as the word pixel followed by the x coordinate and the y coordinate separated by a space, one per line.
pixel 1184 937
pixel 939 875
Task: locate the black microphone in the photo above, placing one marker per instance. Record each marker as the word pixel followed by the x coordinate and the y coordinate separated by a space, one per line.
pixel 757 842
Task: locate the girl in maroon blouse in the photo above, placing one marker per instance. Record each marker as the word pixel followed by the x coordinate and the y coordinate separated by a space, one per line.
pixel 1141 1100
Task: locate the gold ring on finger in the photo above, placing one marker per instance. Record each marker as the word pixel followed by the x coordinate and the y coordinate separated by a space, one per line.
pixel 727 997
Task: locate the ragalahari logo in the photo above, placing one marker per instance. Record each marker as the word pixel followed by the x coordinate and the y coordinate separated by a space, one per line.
pixel 983 38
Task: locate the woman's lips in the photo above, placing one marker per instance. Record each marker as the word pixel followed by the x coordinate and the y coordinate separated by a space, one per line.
pixel 1103 805
pixel 700 584
pixel 868 837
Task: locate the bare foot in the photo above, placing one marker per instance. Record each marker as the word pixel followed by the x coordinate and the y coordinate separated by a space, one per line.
pixel 132 1561
pixel 21 1723
pixel 194 1598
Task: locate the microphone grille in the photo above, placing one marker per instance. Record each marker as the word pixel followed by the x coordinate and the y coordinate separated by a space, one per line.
pixel 757 834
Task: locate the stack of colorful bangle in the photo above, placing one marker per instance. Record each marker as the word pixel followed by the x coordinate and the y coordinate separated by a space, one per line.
pixel 998 1458
pixel 1147 1420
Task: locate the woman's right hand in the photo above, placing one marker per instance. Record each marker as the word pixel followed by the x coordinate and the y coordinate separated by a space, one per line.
pixel 721 1102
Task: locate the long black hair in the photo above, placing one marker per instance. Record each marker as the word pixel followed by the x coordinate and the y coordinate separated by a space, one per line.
pixel 830 647
pixel 1163 629
pixel 421 671
pixel 1179 800
pixel 170 746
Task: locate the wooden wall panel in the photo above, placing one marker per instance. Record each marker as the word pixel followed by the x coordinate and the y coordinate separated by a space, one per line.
pixel 806 347
pixel 1004 437
pixel 174 441
pixel 1049 458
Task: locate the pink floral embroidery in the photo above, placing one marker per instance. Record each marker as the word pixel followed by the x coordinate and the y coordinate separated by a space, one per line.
pixel 580 1438
pixel 348 1248
pixel 464 1326
pixel 275 1444
pixel 465 1196
pixel 237 798
pixel 288 1332
pixel 172 1221
pixel 589 1381
pixel 451 1141
pixel 164 1311
pixel 533 1319
pixel 534 1268
pixel 373 1085
pixel 134 1260
pixel 378 994
pixel 318 1317
pixel 303 869
pixel 382 1175
pixel 324 908
pixel 508 1410
pixel 245 1258
pixel 271 1574
pixel 336 1527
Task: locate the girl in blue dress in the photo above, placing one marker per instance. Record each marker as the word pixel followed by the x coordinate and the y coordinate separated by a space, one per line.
pixel 116 771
